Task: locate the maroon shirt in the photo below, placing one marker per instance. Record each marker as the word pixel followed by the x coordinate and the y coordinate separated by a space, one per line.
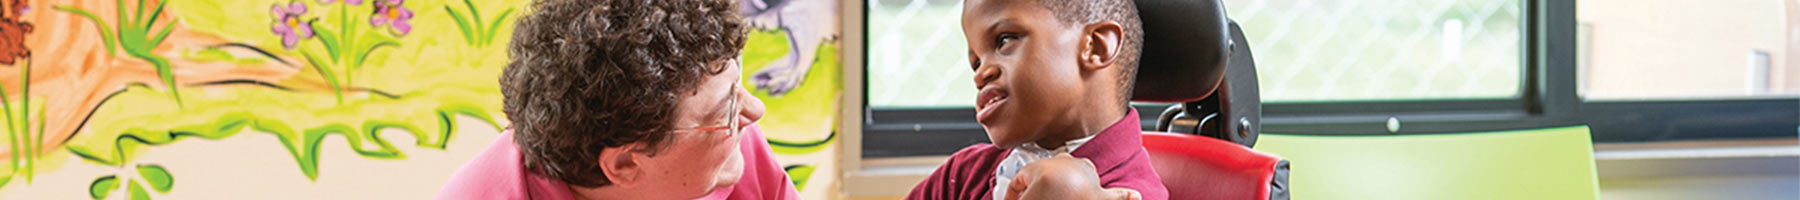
pixel 1117 152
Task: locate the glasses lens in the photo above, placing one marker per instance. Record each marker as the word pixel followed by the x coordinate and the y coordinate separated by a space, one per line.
pixel 731 115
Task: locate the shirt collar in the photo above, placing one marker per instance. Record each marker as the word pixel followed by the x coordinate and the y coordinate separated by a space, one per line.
pixel 1114 145
pixel 1123 132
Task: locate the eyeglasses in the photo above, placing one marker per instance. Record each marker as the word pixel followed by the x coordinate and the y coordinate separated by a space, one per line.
pixel 727 119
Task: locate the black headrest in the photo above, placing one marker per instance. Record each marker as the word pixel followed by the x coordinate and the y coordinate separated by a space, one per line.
pixel 1185 46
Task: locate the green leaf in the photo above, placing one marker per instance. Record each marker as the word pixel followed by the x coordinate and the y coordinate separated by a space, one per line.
pixel 446 111
pixel 137 192
pixel 474 12
pixel 345 22
pixel 468 36
pixel 37 150
pixel 155 13
pixel 103 186
pixel 330 77
pixel 209 54
pixel 488 37
pixel 446 125
pixel 800 174
pixel 123 19
pixel 139 14
pixel 162 35
pixel 422 138
pixel 159 178
pixel 31 148
pixel 316 135
pixel 325 36
pixel 164 71
pixel 90 156
pixel 796 148
pixel 131 34
pixel 12 137
pixel 364 55
pixel 106 34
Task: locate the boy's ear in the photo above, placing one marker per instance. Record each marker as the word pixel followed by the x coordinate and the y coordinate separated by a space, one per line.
pixel 1100 44
pixel 622 164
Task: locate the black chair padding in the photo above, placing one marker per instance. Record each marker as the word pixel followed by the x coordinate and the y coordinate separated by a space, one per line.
pixel 1237 102
pixel 1186 43
pixel 1233 112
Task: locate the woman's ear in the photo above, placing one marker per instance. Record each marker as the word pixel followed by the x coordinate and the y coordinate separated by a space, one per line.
pixel 1100 44
pixel 621 164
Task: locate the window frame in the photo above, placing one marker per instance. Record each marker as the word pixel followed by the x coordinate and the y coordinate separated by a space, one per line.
pixel 1547 97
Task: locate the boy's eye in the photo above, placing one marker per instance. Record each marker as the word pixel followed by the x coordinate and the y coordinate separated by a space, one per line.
pixel 1003 39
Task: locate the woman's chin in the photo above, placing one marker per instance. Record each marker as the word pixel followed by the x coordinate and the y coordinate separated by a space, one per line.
pixel 722 187
pixel 724 182
pixel 728 176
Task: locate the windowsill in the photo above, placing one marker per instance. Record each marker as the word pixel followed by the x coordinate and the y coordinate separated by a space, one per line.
pixel 889 177
pixel 1714 169
pixel 1750 157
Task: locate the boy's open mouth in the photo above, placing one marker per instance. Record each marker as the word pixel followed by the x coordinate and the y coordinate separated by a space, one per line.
pixel 988 102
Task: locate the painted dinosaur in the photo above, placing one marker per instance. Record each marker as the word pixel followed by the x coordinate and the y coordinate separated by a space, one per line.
pixel 808 23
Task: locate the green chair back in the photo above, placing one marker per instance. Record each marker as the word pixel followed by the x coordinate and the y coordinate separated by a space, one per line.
pixel 1550 163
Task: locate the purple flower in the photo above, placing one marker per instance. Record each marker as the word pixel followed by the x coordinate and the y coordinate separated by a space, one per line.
pixel 351 2
pixel 389 12
pixel 289 25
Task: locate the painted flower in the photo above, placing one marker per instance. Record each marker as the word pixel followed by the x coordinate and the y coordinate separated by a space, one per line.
pixel 389 12
pixel 19 8
pixel 289 25
pixel 351 2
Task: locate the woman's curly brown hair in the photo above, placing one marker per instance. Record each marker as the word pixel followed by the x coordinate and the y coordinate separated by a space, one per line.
pixel 590 74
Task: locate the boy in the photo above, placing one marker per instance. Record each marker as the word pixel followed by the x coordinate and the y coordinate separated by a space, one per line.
pixel 1055 79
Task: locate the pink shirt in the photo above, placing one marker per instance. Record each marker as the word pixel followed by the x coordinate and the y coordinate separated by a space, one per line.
pixel 499 173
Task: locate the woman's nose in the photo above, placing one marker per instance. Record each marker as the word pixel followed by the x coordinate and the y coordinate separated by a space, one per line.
pixel 752 108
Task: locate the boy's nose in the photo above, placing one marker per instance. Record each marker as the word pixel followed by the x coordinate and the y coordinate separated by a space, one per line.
pixel 750 108
pixel 985 74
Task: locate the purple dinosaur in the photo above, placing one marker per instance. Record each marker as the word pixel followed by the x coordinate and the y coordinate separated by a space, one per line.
pixel 808 23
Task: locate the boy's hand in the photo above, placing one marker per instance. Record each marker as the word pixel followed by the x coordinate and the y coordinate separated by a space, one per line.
pixel 1063 177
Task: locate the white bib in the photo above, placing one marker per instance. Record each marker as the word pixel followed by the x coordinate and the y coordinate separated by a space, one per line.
pixel 1025 155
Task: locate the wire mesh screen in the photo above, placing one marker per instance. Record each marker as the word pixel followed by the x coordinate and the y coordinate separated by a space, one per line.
pixel 1306 50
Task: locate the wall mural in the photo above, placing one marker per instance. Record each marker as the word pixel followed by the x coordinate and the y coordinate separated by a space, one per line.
pixel 308 99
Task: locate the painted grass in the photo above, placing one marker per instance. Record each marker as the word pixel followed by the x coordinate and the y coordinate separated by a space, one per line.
pixel 430 82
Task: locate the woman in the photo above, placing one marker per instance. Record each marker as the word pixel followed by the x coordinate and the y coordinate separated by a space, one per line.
pixel 621 99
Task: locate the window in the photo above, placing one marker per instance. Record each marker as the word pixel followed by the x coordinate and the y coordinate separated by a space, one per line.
pixel 917 56
pixel 1688 69
pixel 1324 50
pixel 1347 67
pixel 1687 49
pixel 1310 50
pixel 1630 70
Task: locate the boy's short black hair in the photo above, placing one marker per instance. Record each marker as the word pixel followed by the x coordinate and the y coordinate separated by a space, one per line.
pixel 1124 12
pixel 585 75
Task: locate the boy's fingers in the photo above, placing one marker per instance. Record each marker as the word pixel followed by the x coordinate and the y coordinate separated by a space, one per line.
pixel 1123 194
pixel 1085 163
pixel 1018 187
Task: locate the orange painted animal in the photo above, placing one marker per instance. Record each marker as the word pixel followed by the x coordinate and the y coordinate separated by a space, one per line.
pixel 71 71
